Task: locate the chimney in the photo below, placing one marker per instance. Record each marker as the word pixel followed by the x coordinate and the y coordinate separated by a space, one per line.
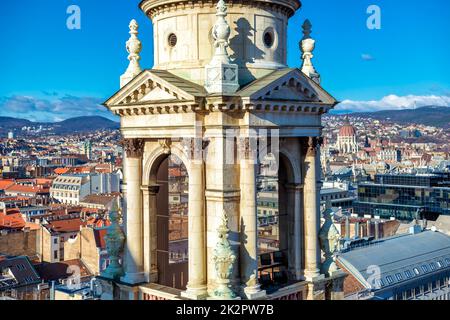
pixel 347 227
pixel 415 229
pixel 357 229
pixel 377 229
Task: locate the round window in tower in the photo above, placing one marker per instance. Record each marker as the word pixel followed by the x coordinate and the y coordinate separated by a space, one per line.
pixel 172 40
pixel 269 38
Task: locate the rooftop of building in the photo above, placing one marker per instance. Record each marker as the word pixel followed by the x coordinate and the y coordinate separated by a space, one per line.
pixel 11 221
pixel 102 199
pixel 16 272
pixel 65 225
pixel 61 270
pixel 401 259
pixel 17 188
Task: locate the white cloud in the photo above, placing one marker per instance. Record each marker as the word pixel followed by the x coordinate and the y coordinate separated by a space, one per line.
pixel 55 108
pixel 394 102
pixel 367 57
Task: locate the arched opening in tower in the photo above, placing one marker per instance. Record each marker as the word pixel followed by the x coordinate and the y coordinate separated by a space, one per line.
pixel 274 207
pixel 172 223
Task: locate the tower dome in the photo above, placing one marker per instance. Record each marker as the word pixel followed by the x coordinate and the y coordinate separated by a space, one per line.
pixel 347 130
pixel 347 139
pixel 183 41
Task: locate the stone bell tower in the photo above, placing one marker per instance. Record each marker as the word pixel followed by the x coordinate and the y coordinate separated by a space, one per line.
pixel 219 98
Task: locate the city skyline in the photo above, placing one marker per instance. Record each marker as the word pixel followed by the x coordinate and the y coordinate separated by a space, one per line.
pixel 367 70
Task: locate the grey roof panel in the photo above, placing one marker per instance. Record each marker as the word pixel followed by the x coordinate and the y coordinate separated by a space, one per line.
pixel 398 254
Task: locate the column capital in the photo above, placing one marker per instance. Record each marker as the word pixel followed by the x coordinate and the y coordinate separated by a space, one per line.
pixel 150 189
pixel 294 186
pixel 310 145
pixel 134 148
pixel 195 148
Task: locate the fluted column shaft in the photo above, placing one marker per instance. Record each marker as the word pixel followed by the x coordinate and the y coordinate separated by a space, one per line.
pixel 134 253
pixel 197 285
pixel 312 210
pixel 249 219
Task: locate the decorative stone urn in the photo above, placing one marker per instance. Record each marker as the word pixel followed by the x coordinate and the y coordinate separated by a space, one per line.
pixel 114 239
pixel 329 238
pixel 307 46
pixel 224 259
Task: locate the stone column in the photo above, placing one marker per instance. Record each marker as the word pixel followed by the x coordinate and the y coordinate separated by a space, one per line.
pixel 134 253
pixel 197 285
pixel 249 220
pixel 295 231
pixel 222 193
pixel 150 234
pixel 311 202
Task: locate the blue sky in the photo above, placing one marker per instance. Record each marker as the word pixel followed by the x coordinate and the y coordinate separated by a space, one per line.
pixel 50 72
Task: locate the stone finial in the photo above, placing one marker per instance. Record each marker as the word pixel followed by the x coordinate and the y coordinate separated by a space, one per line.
pixel 224 259
pixel 221 74
pixel 307 46
pixel 134 47
pixel 329 239
pixel 114 239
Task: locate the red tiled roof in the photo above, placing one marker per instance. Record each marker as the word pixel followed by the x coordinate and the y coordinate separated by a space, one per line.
pixel 98 223
pixel 11 221
pixel 68 225
pixel 100 199
pixel 60 171
pixel 351 284
pixel 5 184
pixel 26 189
pixel 99 235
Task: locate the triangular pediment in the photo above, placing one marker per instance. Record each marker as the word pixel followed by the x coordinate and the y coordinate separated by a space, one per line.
pixel 286 85
pixel 156 86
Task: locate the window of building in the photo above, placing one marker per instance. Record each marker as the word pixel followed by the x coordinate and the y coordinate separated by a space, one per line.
pixel 425 268
pixel 172 40
pixel 434 285
pixel 408 294
pixel 417 291
pixel 390 280
pixel 432 266
pixel 55 254
pixel 447 261
pixel 269 37
pixel 55 240
pixel 399 276
pixel 408 274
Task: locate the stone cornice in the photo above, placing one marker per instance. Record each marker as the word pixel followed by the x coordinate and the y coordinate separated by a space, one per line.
pixel 222 106
pixel 154 7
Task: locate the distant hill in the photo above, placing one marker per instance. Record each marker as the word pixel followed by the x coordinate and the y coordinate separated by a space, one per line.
pixel 72 125
pixel 85 124
pixel 11 123
pixel 430 116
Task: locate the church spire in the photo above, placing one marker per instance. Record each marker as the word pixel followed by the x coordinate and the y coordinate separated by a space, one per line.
pixel 134 48
pixel 307 45
pixel 221 74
